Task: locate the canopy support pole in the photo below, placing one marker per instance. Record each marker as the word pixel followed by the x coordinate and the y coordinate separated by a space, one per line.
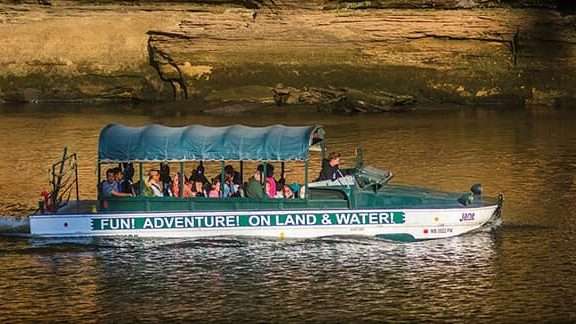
pixel 181 180
pixel 241 172
pixel 141 182
pixel 222 179
pixel 99 180
pixel 263 177
pixel 76 176
pixel 305 180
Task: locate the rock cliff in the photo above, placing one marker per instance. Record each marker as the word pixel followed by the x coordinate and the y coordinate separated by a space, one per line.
pixel 436 51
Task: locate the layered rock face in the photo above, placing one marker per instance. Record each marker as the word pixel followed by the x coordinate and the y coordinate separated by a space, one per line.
pixel 457 51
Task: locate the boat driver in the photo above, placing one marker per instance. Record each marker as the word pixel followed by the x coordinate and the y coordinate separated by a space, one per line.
pixel 331 168
pixel 110 186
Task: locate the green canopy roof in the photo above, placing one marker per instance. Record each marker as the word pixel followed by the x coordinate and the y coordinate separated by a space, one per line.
pixel 120 143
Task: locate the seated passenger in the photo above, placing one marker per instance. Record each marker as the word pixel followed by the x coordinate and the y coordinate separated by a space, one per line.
pixel 254 187
pixel 231 189
pixel 198 189
pixel 198 175
pixel 124 185
pixel 215 188
pixel 236 177
pixel 270 187
pixel 302 192
pixel 128 171
pixel 296 187
pixel 331 168
pixel 287 192
pixel 187 192
pixel 153 187
pixel 110 186
pixel 165 179
pixel 280 184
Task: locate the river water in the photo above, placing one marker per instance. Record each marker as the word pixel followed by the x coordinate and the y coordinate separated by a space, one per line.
pixel 523 270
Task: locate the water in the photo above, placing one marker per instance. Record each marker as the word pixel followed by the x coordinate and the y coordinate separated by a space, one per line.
pixel 524 270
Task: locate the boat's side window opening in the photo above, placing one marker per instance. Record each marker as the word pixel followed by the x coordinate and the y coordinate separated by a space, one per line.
pixel 223 182
pixel 265 183
pixel 185 180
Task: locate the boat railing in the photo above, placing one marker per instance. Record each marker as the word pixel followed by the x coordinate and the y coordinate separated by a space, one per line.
pixel 63 182
pixel 320 198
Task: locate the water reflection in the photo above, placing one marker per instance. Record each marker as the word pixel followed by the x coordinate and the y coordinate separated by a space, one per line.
pixel 247 279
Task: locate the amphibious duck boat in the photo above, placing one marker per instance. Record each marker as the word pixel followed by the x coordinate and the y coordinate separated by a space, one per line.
pixel 363 203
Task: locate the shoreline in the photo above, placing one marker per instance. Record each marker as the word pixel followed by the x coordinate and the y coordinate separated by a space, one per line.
pixel 236 108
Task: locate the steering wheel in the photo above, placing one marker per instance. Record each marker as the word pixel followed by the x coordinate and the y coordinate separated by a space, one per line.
pixel 374 185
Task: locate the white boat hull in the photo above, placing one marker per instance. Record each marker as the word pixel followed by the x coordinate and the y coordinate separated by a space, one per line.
pixel 404 224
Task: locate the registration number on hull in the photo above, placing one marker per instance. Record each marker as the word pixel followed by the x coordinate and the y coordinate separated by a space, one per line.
pixel 441 230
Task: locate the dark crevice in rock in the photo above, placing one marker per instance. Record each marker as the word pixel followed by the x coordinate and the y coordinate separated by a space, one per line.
pixel 157 59
pixel 514 46
pixel 445 37
pixel 170 35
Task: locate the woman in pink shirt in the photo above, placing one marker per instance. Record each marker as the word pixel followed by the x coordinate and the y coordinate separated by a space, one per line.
pixel 270 187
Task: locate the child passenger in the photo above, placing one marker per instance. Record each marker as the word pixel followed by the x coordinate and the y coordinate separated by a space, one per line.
pixel 287 192
pixel 215 188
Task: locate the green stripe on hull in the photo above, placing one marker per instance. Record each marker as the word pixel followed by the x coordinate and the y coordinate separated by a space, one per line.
pixel 398 237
